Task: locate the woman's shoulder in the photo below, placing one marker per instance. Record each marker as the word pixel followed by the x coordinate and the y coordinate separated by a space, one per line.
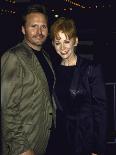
pixel 88 61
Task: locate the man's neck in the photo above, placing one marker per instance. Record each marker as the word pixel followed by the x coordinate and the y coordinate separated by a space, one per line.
pixel 36 48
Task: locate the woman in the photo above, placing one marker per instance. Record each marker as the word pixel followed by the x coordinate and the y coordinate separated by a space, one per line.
pixel 79 94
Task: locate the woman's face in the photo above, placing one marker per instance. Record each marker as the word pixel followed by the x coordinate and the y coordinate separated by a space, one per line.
pixel 64 46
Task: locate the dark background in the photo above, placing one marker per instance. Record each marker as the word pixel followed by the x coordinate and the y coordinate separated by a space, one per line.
pixel 96 28
pixel 97 40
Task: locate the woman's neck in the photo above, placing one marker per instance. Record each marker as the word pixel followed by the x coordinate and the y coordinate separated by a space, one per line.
pixel 72 61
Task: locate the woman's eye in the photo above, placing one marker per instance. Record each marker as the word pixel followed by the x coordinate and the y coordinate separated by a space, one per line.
pixel 57 43
pixel 67 42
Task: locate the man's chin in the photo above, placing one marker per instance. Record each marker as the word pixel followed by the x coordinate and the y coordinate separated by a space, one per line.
pixel 40 43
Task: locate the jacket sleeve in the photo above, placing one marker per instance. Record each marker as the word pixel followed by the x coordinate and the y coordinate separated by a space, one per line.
pixel 14 140
pixel 99 107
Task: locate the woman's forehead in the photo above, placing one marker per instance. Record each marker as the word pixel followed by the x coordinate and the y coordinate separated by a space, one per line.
pixel 62 35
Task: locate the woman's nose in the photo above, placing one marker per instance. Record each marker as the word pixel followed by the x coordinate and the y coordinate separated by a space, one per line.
pixel 62 47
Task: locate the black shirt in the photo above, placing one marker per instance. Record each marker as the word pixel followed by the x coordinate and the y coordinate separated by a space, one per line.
pixel 64 75
pixel 46 68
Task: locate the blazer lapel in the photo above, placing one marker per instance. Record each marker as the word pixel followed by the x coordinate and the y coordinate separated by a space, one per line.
pixel 33 64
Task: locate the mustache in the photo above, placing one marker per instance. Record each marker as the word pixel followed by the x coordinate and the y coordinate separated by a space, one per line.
pixel 39 35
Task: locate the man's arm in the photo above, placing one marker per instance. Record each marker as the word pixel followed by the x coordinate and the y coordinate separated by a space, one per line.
pixel 13 136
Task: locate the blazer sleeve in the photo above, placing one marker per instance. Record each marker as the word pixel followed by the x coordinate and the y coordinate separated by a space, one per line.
pixel 99 109
pixel 14 140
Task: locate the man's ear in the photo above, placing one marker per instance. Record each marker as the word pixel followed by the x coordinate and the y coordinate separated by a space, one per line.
pixel 23 30
pixel 76 41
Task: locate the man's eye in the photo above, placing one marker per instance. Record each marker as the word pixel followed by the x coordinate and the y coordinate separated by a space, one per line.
pixel 33 26
pixel 44 26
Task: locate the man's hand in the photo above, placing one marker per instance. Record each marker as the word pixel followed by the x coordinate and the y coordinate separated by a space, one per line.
pixel 94 154
pixel 29 152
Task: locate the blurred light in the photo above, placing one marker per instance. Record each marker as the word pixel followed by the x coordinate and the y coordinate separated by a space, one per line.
pixel 22 1
pixel 56 16
pixel 78 4
pixel 110 5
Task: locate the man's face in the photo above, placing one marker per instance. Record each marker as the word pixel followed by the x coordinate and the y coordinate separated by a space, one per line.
pixel 35 30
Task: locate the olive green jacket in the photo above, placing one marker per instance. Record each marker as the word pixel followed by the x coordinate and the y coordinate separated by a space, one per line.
pixel 26 105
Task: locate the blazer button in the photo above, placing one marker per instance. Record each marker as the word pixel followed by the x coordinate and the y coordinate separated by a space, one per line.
pixel 50 113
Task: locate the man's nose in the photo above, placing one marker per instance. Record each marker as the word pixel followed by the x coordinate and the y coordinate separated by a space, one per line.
pixel 39 30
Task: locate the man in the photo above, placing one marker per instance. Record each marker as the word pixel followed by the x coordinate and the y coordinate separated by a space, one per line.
pixel 27 80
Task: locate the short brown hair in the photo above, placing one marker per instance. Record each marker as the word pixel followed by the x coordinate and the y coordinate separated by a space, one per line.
pixel 66 25
pixel 34 8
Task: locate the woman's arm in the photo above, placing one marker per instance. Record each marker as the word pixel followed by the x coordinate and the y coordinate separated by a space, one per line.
pixel 99 109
